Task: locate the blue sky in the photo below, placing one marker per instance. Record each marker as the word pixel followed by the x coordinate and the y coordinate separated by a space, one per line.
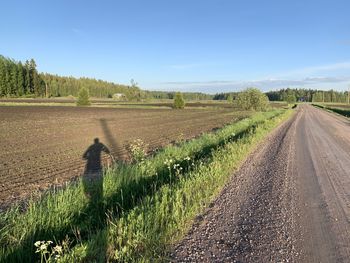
pixel 209 46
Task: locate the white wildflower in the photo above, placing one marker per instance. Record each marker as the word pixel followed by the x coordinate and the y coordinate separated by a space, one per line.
pixel 37 243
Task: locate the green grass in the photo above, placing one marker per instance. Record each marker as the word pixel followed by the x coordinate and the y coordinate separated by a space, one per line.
pixel 143 207
pixel 342 111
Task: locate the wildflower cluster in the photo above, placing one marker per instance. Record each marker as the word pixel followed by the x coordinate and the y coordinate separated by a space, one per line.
pixel 48 253
pixel 168 163
pixel 138 150
pixel 178 167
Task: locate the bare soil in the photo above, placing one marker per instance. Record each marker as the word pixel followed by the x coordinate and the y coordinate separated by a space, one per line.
pixel 43 146
pixel 289 202
pixel 167 103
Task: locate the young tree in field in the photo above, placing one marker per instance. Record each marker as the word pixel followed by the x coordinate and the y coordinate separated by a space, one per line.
pixel 252 99
pixel 83 97
pixel 291 98
pixel 179 102
pixel 229 98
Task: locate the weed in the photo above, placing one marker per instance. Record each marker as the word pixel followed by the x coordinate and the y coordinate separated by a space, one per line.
pixel 138 150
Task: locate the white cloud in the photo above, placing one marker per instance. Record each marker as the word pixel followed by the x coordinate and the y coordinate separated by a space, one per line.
pixel 329 76
pixel 328 69
pixel 216 86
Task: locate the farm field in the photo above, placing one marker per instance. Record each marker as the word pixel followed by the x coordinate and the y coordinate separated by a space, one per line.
pixel 43 146
pixel 64 101
pixel 339 108
pixel 113 103
pixel 337 105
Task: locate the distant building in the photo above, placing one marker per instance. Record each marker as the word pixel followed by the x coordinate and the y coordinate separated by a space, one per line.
pixel 119 96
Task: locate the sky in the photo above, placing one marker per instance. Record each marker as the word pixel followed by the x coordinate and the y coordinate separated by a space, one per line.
pixel 204 46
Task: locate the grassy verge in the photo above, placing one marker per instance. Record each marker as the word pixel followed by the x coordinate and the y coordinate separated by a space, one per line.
pixel 344 112
pixel 141 208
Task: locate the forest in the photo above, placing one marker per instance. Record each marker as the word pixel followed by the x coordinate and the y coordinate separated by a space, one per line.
pixel 295 95
pixel 23 80
pixel 308 95
pixel 19 79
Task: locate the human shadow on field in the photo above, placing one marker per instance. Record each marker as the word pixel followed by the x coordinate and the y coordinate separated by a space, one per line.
pixel 93 181
pixel 90 223
pixel 93 189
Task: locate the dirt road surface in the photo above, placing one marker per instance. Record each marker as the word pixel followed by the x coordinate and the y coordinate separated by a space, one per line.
pixel 289 202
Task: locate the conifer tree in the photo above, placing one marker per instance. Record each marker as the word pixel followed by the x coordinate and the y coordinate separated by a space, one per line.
pixel 83 97
pixel 179 102
pixel 27 78
pixel 20 79
pixel 2 77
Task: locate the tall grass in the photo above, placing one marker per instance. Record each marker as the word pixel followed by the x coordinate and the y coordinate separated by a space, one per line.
pixel 341 111
pixel 142 205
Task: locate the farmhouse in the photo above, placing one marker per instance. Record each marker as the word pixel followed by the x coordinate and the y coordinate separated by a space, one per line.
pixel 119 96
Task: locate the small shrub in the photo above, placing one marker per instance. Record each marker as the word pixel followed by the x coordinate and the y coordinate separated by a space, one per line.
pixel 252 99
pixel 83 97
pixel 179 102
pixel 290 99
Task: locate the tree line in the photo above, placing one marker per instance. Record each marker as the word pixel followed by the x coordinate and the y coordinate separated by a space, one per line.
pixel 17 79
pixel 308 95
pixel 23 80
pixel 58 86
pixel 171 95
pixel 294 95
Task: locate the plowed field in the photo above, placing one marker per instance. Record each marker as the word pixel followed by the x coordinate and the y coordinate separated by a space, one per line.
pixel 43 146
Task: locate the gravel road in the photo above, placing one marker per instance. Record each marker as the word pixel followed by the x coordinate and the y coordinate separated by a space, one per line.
pixel 289 202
